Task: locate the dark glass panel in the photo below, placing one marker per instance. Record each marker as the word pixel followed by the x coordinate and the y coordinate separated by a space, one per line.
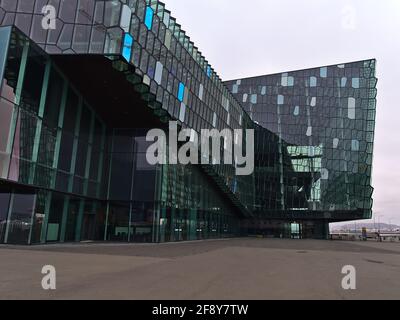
pixel 62 181
pixel 100 211
pixel 95 164
pixel 47 146
pixel 142 222
pixel 73 212
pixel 44 176
pixel 121 176
pixel 53 99
pixel 4 205
pixel 55 217
pixel 71 112
pixel 118 223
pixel 144 179
pixel 25 131
pixel 20 222
pixel 66 149
pixel 81 157
pixel 88 229
pixel 85 126
pixel 33 81
pixel 38 217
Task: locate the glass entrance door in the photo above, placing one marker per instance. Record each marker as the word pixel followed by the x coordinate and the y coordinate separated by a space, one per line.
pixel 295 230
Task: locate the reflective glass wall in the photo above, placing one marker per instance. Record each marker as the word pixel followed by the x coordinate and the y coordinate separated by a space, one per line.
pixel 314 141
pixel 192 207
pixel 67 176
pixel 51 139
pixel 157 57
pixel 132 189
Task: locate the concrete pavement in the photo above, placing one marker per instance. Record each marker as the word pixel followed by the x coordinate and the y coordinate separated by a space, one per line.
pixel 245 268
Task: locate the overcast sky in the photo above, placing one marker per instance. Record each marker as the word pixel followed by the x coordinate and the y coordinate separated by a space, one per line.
pixel 247 38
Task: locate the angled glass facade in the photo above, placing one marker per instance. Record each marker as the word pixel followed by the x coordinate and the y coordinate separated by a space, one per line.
pixel 320 123
pixel 80 90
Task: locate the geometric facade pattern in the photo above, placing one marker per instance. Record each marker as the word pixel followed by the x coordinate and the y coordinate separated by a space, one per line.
pixel 76 103
pixel 323 121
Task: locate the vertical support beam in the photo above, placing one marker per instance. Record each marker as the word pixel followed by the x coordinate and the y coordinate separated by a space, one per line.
pixel 78 227
pixel 192 224
pixel 32 217
pixel 10 207
pixel 89 155
pixel 18 92
pixel 161 232
pixel 101 159
pixel 75 146
pixel 59 133
pixel 131 191
pixel 157 204
pixel 43 236
pixel 45 87
pixel 106 224
pixel 108 188
pixel 130 221
pixel 10 142
pixel 21 75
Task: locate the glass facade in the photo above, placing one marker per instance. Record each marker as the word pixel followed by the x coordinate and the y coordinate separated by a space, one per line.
pixel 77 100
pixel 320 127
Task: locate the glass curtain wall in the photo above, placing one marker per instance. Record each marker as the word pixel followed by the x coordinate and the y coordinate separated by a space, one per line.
pixel 191 207
pixel 50 139
pixel 131 189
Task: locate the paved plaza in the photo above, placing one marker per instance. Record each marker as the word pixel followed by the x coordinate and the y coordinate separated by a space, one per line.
pixel 244 268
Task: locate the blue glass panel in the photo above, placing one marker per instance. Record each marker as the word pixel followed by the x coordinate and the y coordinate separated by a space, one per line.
pixel 323 72
pixel 127 48
pixel 148 19
pixel 208 71
pixel 181 91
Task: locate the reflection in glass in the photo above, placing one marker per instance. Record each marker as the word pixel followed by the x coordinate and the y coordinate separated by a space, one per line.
pixel 4 203
pixel 19 225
